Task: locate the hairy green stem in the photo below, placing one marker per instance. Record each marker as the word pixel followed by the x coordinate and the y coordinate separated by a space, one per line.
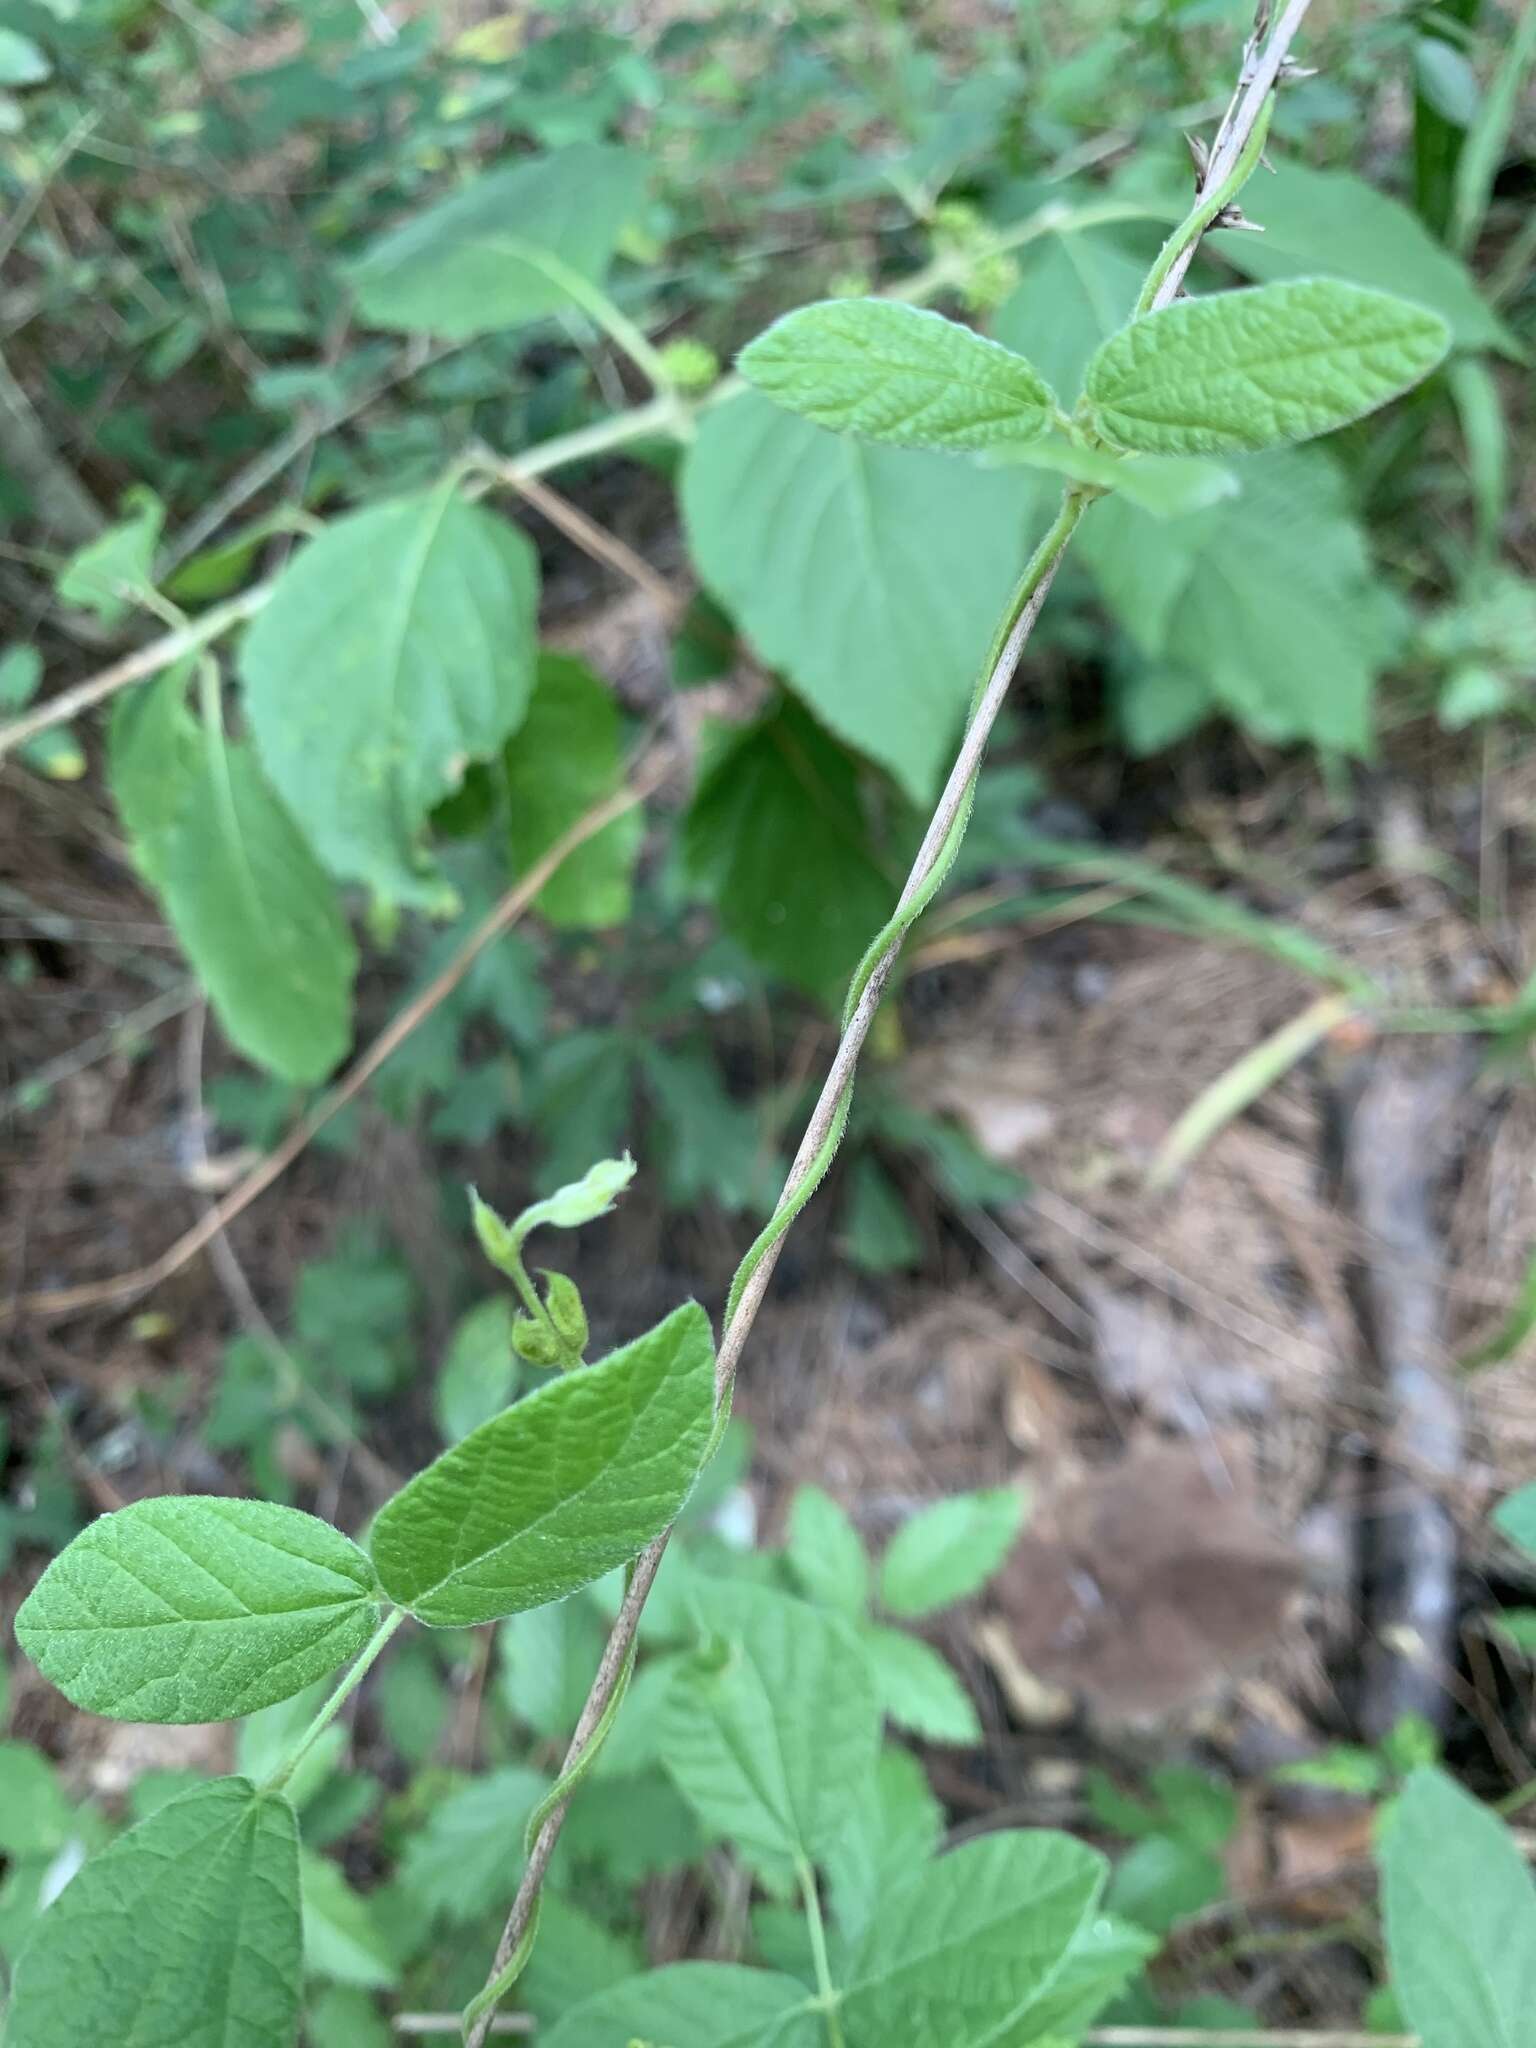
pixel 367 1657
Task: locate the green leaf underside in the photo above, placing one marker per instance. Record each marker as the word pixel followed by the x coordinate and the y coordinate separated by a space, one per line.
pixel 197 1608
pixel 1269 603
pixel 566 756
pixel 502 250
pixel 186 1930
pixel 953 1958
pixel 773 1744
pixel 775 836
pixel 869 576
pixel 255 913
pixel 1460 1912
pixel 897 374
pixel 950 1550
pixel 695 2005
pixel 397 647
pixel 1253 369
pixel 573 1480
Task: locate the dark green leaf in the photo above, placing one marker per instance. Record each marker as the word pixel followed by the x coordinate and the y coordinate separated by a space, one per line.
pixel 568 755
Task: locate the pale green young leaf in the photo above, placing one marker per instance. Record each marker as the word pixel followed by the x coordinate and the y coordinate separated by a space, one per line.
pixel 479 1374
pixel 397 647
pixel 891 1832
pixel 342 1941
pixel 916 1689
pixel 1167 486
pixel 869 576
pixel 110 573
pixel 776 822
pixel 772 1729
pixel 898 374
pixel 573 1480
pixel 826 1553
pixel 579 1201
pixel 949 1551
pixel 1254 369
pixel 695 2005
pixel 511 246
pixel 259 919
pixel 186 1930
pixel 1337 224
pixel 1515 1517
pixel 197 1608
pixel 955 1958
pixel 566 756
pixel 1460 1912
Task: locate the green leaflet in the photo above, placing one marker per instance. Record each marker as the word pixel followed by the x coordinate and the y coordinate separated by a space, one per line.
pixel 479 1374
pixel 1460 1914
pixel 35 1817
pixel 573 1480
pixel 871 577
pixel 897 374
pixel 567 755
pixel 695 2005
pixel 254 911
pixel 955 1958
pixel 890 1834
pixel 826 1553
pixel 195 1608
pixel 772 1737
pixel 1335 224
pixel 509 247
pixel 108 574
pixel 776 837
pixel 949 1551
pixel 396 648
pixel 1515 1517
pixel 342 1940
pixel 186 1930
pixel 1098 1965
pixel 458 1861
pixel 916 1689
pixel 1254 369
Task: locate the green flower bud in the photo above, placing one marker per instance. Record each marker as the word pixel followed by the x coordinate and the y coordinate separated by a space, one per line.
pixel 496 1239
pixel 562 1298
pixel 690 365
pixel 531 1340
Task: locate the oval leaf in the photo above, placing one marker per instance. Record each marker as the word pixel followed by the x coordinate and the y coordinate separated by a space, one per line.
pixel 186 1929
pixel 198 1609
pixel 576 1479
pixel 897 374
pixel 397 648
pixel 1249 370
pixel 949 1551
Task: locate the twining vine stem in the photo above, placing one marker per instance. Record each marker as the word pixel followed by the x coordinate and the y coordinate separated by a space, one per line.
pixel 1231 159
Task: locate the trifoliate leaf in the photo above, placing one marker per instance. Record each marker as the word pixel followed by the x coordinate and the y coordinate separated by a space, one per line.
pixel 1255 369
pixel 897 374
pixel 573 1480
pixel 197 1608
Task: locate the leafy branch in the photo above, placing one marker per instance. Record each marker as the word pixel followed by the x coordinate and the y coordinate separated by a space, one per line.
pixel 1230 161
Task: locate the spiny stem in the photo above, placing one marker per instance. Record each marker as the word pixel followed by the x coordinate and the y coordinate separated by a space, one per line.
pixel 338 1699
